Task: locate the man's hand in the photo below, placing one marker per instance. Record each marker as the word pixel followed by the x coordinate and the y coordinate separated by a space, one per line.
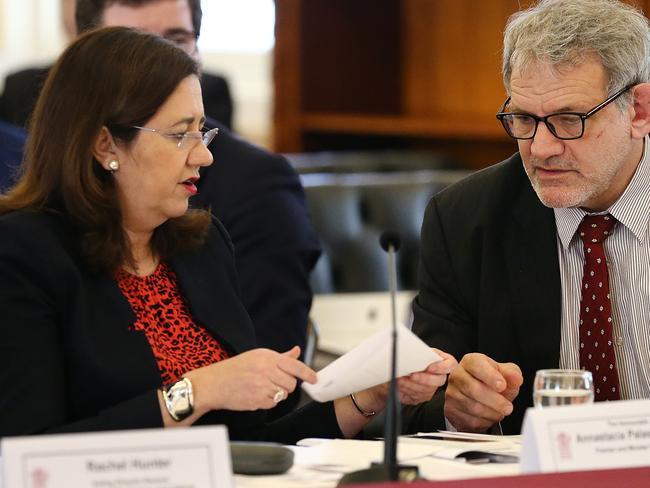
pixel 480 392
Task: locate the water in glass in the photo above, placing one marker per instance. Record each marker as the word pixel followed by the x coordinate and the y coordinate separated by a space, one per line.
pixel 555 387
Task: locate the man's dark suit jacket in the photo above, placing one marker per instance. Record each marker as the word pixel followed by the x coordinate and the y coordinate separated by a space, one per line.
pixel 23 87
pixel 12 141
pixel 68 358
pixel 489 280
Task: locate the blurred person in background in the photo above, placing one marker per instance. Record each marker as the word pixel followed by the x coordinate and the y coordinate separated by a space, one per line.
pixel 21 88
pixel 12 141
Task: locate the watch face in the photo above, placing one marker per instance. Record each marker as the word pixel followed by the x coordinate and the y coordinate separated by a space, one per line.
pixel 179 399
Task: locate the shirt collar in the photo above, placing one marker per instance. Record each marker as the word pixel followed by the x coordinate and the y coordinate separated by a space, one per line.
pixel 632 209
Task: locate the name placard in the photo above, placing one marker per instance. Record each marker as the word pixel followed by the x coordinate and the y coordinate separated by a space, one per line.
pixel 578 437
pixel 194 457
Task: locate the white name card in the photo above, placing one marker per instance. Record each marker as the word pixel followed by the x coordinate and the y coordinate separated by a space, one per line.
pixel 194 457
pixel 578 437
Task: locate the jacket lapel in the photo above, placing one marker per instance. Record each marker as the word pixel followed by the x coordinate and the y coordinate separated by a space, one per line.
pixel 209 285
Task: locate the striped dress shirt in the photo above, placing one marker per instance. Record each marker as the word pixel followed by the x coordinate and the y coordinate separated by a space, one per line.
pixel 627 250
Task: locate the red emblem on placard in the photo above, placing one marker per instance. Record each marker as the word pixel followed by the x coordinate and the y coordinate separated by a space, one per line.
pixel 39 478
pixel 564 446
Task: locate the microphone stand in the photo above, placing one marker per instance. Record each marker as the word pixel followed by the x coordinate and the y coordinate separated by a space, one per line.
pixel 393 408
pixel 389 470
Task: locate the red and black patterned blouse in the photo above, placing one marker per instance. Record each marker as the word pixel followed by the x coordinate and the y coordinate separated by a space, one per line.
pixel 178 343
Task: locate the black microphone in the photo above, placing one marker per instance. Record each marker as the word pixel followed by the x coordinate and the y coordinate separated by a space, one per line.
pixel 390 239
pixel 389 470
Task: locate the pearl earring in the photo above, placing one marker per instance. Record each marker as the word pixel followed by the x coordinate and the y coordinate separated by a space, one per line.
pixel 113 165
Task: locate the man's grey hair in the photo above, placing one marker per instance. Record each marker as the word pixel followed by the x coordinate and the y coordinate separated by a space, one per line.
pixel 565 33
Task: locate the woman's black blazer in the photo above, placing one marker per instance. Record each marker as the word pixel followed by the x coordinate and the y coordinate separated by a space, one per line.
pixel 69 360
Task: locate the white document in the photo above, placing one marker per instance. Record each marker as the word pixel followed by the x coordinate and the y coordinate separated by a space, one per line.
pixel 197 457
pixel 368 364
pixel 472 451
pixel 348 454
pixel 467 436
pixel 592 436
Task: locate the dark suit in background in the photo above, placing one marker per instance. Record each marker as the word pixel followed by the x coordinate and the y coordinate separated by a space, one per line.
pixel 69 361
pixel 489 281
pixel 217 100
pixel 23 87
pixel 12 142
pixel 260 201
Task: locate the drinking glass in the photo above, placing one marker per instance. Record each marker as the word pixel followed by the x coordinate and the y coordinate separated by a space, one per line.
pixel 554 387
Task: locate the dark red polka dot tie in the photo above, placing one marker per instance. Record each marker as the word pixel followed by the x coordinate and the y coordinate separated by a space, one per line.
pixel 596 344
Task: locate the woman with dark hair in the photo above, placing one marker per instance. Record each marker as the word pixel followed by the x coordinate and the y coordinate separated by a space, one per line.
pixel 108 279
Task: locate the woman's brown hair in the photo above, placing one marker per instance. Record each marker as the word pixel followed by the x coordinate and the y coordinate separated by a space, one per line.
pixel 114 77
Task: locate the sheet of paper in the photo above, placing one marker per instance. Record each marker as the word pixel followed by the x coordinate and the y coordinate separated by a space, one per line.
pixel 368 364
pixel 497 453
pixel 346 454
pixel 468 436
pixel 433 468
pixel 501 451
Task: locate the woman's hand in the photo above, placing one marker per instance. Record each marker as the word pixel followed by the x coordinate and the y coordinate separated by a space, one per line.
pixel 414 388
pixel 256 379
pixel 420 387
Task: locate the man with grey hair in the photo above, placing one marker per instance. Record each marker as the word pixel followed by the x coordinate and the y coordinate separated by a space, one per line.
pixel 541 261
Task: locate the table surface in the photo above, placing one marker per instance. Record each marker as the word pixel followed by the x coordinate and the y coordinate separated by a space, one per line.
pixel 323 463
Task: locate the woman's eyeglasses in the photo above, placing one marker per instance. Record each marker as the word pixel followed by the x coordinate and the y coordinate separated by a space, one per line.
pixel 184 140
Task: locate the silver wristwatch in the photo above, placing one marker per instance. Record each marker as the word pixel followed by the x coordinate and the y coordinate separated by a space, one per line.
pixel 179 399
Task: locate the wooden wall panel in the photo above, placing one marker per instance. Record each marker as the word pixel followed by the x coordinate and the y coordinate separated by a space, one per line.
pixel 452 57
pixel 287 76
pixel 351 56
pixel 364 74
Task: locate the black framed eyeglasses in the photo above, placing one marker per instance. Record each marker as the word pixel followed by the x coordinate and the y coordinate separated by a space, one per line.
pixel 563 125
